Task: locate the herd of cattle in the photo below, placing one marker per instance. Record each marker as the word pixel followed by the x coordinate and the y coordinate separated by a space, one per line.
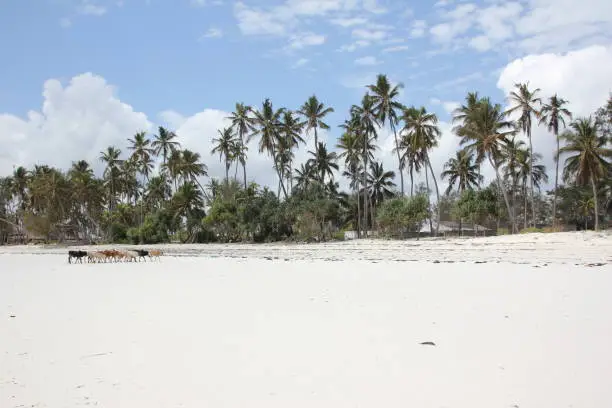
pixel 113 255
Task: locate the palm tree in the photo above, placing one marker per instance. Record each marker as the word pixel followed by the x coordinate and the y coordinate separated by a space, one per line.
pixel 348 144
pixel 554 114
pixel 509 155
pixel 19 185
pixel 290 139
pixel 588 153
pixel 323 162
pixel 225 146
pixel 365 121
pixel 463 114
pixel 112 171
pixel 142 152
pixel 157 191
pixel 267 122
pixel 381 183
pixel 387 106
pixel 164 144
pixel 526 162
pixel 242 124
pixel 314 112
pixel 483 133
pixel 191 168
pixel 461 170
pixel 526 101
pixel 422 132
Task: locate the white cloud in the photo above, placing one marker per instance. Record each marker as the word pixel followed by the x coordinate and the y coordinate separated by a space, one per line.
pixel 252 21
pixel 300 63
pixel 369 34
pixel 80 119
pixel 302 40
pixel 418 28
pixel 348 22
pixel 526 26
pixel 213 33
pixel 582 77
pixel 368 60
pixel 354 46
pixel 91 9
pixel 396 48
pixel 76 122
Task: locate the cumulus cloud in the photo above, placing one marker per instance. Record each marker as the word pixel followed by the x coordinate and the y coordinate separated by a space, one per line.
pixel 368 60
pixel 525 26
pixel 582 77
pixel 81 118
pixel 77 121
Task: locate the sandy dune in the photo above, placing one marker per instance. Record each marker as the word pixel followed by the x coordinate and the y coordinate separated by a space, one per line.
pixel 334 325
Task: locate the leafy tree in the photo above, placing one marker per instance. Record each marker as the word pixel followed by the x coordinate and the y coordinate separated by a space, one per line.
pixel 588 154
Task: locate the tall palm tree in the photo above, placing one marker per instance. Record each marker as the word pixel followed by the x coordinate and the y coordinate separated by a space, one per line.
pixel 348 144
pixel 290 139
pixel 267 122
pixel 588 156
pixel 242 124
pixel 462 116
pixel 314 112
pixel 510 154
pixel 19 185
pixel 164 144
pixel 387 107
pixel 365 121
pixel 461 170
pixel 381 183
pixel 528 168
pixel 157 191
pixel 526 103
pixel 142 152
pixel 225 146
pixel 323 162
pixel 112 172
pixel 483 133
pixel 191 168
pixel 422 132
pixel 553 114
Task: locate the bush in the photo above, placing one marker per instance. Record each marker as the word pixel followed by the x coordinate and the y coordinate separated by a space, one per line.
pixel 530 230
pixel 398 215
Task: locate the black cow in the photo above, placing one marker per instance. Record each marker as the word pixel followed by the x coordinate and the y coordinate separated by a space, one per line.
pixel 142 254
pixel 79 255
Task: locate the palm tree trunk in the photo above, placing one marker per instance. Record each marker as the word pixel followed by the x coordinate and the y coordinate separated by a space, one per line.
pixel 227 167
pixel 533 214
pixel 431 230
pixel 358 213
pixel 399 157
pixel 503 190
pixel 554 220
pixel 525 203
pixel 596 204
pixel 316 139
pixel 364 186
pixel 411 181
pixel 437 194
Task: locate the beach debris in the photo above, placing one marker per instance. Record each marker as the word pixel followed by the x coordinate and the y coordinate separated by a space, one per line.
pixel 96 355
pixel 436 261
pixel 427 343
pixel 596 264
pixel 12 316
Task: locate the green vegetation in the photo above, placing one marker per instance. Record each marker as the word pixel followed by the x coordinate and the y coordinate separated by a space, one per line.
pixel 158 191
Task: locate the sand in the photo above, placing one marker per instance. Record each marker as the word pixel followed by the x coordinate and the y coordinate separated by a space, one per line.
pixel 519 321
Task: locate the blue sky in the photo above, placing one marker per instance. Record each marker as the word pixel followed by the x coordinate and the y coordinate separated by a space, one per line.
pixel 184 62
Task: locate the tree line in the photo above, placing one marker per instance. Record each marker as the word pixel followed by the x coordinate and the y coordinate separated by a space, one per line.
pixel 154 192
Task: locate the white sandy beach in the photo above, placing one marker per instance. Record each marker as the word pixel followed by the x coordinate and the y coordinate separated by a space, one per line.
pixel 517 321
